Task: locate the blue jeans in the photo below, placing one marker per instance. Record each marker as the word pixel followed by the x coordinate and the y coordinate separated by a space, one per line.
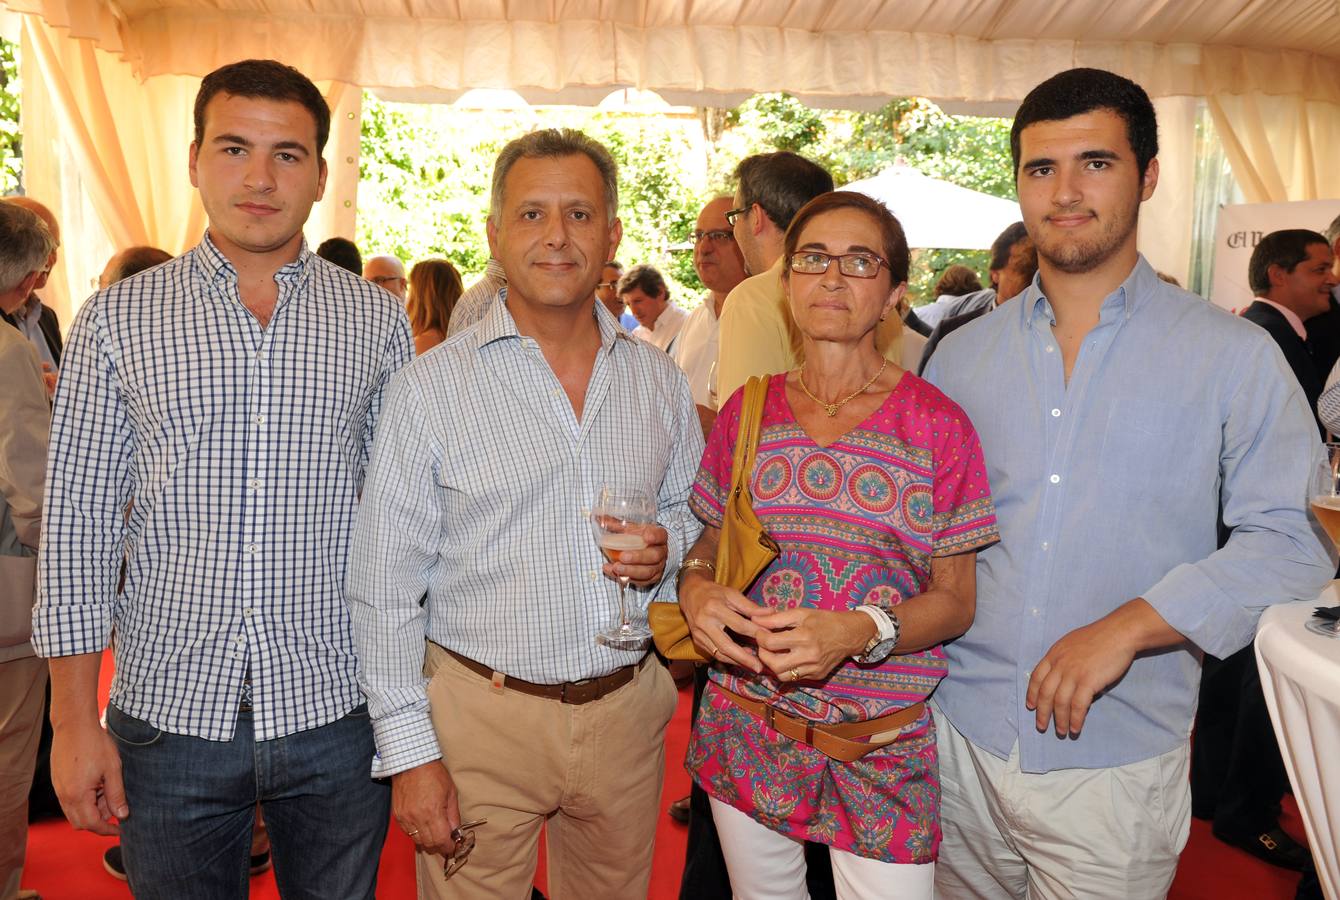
pixel 192 806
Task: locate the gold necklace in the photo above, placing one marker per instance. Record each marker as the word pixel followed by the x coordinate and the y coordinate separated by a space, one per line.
pixel 832 408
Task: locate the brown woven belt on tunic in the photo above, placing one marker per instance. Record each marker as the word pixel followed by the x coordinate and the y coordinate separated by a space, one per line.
pixel 574 692
pixel 834 741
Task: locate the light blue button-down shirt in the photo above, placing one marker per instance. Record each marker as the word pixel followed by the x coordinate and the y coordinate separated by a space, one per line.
pixel 479 495
pixel 1108 488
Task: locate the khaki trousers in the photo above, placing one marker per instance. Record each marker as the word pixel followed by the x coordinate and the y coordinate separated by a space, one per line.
pixel 591 774
pixel 23 685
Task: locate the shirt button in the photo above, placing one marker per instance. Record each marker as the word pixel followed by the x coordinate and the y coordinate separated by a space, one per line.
pixel 246 613
pixel 1034 611
pixel 1056 413
pixel 259 420
pixel 254 484
pixel 1055 479
pixel 1045 545
pixel 1050 348
pixel 591 576
pixel 253 548
pixel 240 639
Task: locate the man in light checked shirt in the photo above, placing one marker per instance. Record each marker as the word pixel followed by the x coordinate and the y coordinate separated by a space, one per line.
pixel 493 701
pixel 211 430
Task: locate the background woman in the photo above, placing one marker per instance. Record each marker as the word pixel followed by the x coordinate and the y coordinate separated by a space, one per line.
pixel 434 288
pixel 872 483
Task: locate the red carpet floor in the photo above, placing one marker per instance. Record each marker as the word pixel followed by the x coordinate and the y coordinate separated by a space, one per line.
pixel 67 865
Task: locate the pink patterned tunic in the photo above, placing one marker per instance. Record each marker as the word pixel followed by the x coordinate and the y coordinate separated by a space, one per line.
pixel 858 522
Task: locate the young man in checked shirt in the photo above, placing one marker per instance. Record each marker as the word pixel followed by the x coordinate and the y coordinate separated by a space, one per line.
pixel 227 399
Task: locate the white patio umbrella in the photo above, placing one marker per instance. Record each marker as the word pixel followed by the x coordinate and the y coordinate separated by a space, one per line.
pixel 937 214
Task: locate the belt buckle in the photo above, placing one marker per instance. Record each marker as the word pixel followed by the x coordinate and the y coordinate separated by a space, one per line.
pixel 769 716
pixel 579 692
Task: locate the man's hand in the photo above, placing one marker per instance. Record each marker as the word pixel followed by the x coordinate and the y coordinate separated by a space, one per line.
pixel 49 379
pixel 801 644
pixel 86 773
pixel 1091 659
pixel 644 567
pixel 710 609
pixel 425 806
pixel 1075 669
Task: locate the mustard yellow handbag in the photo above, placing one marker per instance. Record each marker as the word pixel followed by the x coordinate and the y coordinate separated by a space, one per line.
pixel 744 550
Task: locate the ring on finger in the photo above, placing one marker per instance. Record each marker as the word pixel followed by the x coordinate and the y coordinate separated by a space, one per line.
pixel 795 676
pixel 711 649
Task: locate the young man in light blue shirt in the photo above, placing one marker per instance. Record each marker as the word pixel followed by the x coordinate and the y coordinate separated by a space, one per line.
pixel 1118 415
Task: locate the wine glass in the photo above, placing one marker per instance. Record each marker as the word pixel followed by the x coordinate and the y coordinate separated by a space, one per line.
pixel 1325 492
pixel 616 520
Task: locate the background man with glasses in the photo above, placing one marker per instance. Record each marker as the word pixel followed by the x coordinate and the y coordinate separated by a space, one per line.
pixel 388 273
pixel 720 265
pixel 607 292
pixel 757 334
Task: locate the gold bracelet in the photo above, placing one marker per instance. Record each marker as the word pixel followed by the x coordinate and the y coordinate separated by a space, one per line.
pixel 689 565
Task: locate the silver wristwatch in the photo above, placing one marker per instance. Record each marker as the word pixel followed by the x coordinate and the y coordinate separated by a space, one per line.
pixel 888 629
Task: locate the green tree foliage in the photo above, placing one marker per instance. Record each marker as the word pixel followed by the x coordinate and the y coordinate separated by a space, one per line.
pixel 426 170
pixel 11 138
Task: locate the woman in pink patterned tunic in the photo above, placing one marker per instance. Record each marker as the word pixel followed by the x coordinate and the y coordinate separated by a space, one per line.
pixel 873 485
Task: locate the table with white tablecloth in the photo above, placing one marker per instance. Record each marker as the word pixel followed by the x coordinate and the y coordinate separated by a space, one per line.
pixel 1300 674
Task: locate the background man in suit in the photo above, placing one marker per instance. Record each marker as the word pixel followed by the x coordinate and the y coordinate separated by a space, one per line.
pixel 34 318
pixel 25 245
pixel 1291 274
pixel 1237 775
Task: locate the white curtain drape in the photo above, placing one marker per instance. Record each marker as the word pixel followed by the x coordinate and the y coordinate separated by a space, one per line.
pixel 1280 148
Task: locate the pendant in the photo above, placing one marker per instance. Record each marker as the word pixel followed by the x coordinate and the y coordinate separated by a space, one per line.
pixel 831 409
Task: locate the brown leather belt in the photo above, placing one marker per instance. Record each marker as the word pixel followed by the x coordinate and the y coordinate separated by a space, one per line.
pixel 574 692
pixel 845 742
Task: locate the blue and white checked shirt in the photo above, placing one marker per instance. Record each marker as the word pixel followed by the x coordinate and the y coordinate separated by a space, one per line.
pixel 243 451
pixel 1108 489
pixel 478 495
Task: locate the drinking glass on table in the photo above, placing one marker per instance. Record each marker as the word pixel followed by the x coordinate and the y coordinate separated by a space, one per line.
pixel 1325 492
pixel 617 519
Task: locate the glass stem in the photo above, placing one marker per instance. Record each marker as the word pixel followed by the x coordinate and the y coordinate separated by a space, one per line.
pixel 624 624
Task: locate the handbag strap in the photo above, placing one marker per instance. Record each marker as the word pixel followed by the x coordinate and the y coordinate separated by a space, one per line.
pixel 746 439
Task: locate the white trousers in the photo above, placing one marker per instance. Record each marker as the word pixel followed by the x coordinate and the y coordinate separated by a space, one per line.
pixel 1082 833
pixel 765 865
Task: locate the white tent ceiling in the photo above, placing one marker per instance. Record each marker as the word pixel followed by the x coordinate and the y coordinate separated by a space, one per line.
pixel 716 52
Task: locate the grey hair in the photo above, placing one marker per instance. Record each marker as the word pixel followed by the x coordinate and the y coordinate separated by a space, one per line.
pixel 1333 231
pixel 25 245
pixel 551 143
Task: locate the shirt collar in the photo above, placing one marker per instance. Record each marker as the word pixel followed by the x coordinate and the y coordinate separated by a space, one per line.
pixel 1289 316
pixel 1129 296
pixel 216 265
pixel 31 308
pixel 498 324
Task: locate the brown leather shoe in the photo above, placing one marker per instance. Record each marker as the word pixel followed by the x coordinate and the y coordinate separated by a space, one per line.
pixel 679 810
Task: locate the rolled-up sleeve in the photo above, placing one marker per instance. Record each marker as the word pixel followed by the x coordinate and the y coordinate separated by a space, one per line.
pixel 88 486
pixel 1277 551
pixel 391 560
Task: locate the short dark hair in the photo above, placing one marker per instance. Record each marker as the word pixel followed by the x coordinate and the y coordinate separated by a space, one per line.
pixel 266 79
pixel 343 253
pixel 890 230
pixel 1004 243
pixel 1079 91
pixel 646 279
pixel 781 183
pixel 134 261
pixel 613 264
pixel 1285 249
